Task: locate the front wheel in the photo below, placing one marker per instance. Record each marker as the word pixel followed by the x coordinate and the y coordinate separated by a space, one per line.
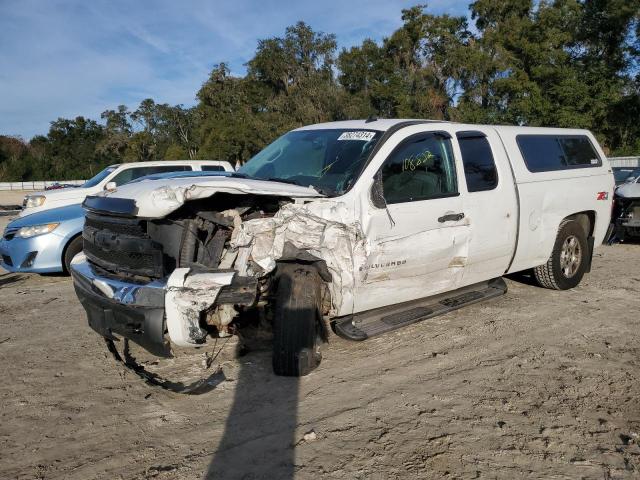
pixel 73 248
pixel 569 259
pixel 297 324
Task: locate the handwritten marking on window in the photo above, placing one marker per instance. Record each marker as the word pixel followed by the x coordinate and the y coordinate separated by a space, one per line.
pixel 413 162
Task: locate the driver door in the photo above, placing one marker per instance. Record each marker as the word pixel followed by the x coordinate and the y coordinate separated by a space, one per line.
pixel 415 228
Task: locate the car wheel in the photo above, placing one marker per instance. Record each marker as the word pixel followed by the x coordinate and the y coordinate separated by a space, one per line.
pixel 73 248
pixel 297 327
pixel 568 262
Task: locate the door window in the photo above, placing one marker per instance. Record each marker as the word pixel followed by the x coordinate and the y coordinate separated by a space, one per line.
pixel 420 168
pixel 479 167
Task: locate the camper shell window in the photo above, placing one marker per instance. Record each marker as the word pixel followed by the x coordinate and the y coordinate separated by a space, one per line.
pixel 546 153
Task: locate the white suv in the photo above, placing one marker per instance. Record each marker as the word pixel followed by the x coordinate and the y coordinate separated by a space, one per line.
pixel 115 175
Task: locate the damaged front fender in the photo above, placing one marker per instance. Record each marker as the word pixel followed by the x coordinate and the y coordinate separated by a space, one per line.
pixel 338 245
pixel 189 294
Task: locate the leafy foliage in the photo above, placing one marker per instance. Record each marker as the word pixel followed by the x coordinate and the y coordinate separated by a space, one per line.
pixel 566 63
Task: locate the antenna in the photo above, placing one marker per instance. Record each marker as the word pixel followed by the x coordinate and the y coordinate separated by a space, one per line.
pixel 371 118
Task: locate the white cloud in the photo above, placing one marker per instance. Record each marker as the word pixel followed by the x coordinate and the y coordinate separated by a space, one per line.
pixel 63 59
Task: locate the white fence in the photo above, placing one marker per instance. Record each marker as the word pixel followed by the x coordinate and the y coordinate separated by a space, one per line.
pixel 37 185
pixel 624 161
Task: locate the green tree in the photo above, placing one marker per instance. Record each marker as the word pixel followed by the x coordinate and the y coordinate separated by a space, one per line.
pixel 72 148
pixel 566 63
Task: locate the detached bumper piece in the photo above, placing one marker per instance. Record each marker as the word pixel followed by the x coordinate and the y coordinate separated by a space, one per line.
pixel 144 326
pixel 136 311
pixel 359 327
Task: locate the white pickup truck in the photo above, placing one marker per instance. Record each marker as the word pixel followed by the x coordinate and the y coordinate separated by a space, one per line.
pixel 355 228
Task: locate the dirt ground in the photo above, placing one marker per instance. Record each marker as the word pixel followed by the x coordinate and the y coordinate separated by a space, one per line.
pixel 535 384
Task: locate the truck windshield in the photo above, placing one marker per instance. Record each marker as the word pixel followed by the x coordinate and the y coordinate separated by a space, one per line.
pixel 329 160
pixel 98 178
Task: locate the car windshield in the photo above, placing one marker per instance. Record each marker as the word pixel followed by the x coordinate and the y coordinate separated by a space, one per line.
pixel 633 176
pixel 329 160
pixel 98 178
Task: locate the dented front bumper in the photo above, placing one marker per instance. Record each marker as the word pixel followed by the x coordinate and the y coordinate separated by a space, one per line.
pixel 138 311
pixel 114 307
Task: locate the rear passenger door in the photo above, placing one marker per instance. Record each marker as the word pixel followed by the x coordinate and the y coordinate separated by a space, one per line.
pixel 490 204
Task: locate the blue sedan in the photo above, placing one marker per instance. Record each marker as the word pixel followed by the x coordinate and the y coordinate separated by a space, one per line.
pixel 44 241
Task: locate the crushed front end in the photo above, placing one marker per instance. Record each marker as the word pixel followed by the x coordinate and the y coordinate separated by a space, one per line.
pixel 143 278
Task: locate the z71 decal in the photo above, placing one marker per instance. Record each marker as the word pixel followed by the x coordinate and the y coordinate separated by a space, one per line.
pixel 602 196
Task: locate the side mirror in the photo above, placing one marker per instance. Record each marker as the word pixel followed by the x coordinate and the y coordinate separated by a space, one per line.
pixel 377 191
pixel 110 186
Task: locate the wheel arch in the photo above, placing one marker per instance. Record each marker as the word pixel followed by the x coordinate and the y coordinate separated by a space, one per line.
pixel 293 254
pixel 587 219
pixel 66 247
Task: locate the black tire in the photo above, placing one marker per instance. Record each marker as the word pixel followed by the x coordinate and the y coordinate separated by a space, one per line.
pixel 296 322
pixel 73 248
pixel 565 270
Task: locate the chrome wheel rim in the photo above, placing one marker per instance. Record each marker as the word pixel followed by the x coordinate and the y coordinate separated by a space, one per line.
pixel 570 256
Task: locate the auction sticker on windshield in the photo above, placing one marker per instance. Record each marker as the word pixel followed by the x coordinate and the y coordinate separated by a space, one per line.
pixel 361 135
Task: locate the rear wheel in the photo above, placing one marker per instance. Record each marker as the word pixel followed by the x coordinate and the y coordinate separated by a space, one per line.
pixel 73 248
pixel 568 262
pixel 297 328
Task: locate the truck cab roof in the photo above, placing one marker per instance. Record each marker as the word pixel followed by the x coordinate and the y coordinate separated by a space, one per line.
pixel 385 124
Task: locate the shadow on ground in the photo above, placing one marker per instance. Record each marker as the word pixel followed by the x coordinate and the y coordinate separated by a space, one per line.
pixel 11 278
pixel 526 277
pixel 260 432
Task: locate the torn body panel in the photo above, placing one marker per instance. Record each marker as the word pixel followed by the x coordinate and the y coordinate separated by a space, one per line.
pixel 198 298
pixel 157 202
pixel 217 253
pixel 188 295
pixel 340 245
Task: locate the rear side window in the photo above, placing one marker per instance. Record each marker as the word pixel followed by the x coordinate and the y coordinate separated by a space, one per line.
pixel 212 168
pixel 169 168
pixel 545 153
pixel 477 158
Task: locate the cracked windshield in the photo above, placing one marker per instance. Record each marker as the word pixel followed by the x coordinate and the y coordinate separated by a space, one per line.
pixel 328 160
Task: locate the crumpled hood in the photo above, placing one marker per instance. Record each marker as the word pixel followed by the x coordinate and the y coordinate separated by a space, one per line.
pixel 158 198
pixel 629 190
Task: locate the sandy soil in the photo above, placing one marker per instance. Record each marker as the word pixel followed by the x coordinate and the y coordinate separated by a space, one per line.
pixel 535 384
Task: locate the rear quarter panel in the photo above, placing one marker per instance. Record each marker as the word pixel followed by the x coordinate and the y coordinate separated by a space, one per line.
pixel 546 198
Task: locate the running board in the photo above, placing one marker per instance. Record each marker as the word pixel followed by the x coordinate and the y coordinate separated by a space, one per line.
pixel 368 324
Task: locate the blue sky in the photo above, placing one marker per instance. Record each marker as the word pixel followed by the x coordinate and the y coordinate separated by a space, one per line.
pixel 81 57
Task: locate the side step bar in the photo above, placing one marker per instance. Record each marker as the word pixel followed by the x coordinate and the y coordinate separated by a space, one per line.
pixel 368 324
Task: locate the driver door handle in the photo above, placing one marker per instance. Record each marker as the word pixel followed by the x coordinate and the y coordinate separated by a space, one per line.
pixel 451 217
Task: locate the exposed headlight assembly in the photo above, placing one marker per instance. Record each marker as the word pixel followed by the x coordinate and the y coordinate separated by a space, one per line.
pixel 34 230
pixel 32 201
